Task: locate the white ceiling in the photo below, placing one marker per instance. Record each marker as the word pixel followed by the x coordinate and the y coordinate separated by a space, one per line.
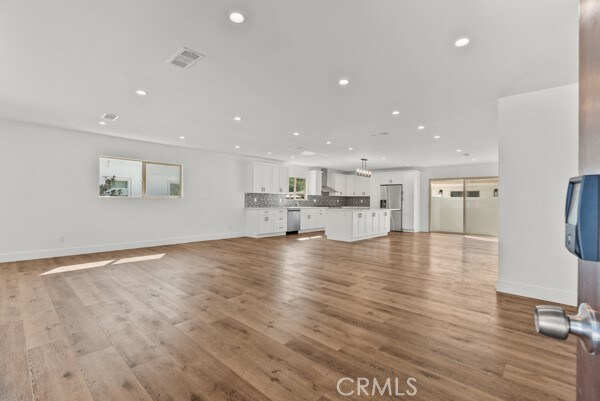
pixel 66 62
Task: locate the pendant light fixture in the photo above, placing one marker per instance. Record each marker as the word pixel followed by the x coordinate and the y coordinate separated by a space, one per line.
pixel 362 171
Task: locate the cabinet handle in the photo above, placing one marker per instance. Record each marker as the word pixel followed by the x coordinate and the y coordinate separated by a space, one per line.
pixel 266 219
pixel 360 215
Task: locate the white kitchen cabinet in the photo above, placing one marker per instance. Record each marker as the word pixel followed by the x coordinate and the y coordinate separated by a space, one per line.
pixel 358 224
pixel 363 186
pixel 350 185
pixel 280 180
pixel 308 220
pixel 266 222
pixel 355 225
pixel 338 182
pixel 321 218
pixel 410 181
pixel 268 178
pixel 315 182
pixel 411 189
pixel 375 191
pixel 391 177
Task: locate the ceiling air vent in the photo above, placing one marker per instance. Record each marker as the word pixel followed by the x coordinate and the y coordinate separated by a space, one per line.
pixel 185 58
pixel 109 117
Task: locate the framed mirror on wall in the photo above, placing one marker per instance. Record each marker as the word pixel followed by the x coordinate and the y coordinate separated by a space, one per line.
pixel 129 178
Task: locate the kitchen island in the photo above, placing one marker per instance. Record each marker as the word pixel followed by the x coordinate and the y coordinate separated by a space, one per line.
pixel 354 224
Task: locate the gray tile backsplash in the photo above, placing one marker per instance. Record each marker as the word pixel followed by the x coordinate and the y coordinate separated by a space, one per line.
pixel 275 200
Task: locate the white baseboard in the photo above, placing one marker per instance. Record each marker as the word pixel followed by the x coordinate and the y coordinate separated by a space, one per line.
pixel 53 253
pixel 533 291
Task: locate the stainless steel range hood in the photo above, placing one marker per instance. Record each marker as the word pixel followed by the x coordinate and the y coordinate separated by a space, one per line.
pixel 325 189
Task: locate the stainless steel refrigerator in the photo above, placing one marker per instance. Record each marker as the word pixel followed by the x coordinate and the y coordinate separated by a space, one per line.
pixel 391 198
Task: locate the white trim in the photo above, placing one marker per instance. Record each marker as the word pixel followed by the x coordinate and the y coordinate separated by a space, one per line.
pixel 53 253
pixel 533 291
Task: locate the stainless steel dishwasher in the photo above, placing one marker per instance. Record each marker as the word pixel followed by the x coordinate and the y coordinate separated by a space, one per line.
pixel 293 221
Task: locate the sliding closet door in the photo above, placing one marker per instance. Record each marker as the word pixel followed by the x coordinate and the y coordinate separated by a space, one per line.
pixel 446 206
pixel 481 206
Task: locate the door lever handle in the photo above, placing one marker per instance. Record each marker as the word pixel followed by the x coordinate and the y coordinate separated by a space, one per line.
pixel 553 322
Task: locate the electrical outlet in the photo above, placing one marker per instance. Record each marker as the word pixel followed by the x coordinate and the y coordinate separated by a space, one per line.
pixel 361 201
pixel 255 200
pixel 314 201
pixel 338 201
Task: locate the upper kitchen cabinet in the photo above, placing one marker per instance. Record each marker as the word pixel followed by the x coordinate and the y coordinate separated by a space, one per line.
pixel 315 182
pixel 357 186
pixel 338 182
pixel 280 181
pixel 267 178
pixel 391 178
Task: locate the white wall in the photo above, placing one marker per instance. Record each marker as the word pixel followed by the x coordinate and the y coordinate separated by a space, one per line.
pixel 458 171
pixel 50 190
pixel 538 138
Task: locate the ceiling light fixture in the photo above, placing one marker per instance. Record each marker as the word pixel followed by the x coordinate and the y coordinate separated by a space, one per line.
pixel 296 133
pixel 474 160
pixel 462 42
pixel 269 153
pixel 383 158
pixel 102 122
pixel 437 137
pixel 237 146
pixel 350 148
pixel 141 92
pixel 293 157
pixel 407 164
pixel 182 137
pixel 344 82
pixel 421 127
pixel 237 18
pixel 328 143
pixel 362 171
pixel 237 118
pixel 395 112
pixel 458 150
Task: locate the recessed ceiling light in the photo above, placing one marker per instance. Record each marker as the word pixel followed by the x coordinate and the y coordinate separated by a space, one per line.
pixel 293 157
pixel 474 160
pixel 182 137
pixel 296 133
pixel 395 112
pixel 437 137
pixel 102 122
pixel 328 143
pixel 458 150
pixel 237 118
pixel 407 165
pixel 236 18
pixel 344 82
pixel 350 148
pixel 237 146
pixel 383 158
pixel 269 153
pixel 462 42
pixel 141 92
pixel 421 127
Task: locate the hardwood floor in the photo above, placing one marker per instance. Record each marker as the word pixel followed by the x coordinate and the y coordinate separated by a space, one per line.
pixel 277 319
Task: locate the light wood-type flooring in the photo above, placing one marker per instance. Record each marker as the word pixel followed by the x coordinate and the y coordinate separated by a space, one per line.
pixel 279 319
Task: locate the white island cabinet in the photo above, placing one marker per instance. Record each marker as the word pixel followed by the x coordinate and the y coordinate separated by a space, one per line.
pixel 351 225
